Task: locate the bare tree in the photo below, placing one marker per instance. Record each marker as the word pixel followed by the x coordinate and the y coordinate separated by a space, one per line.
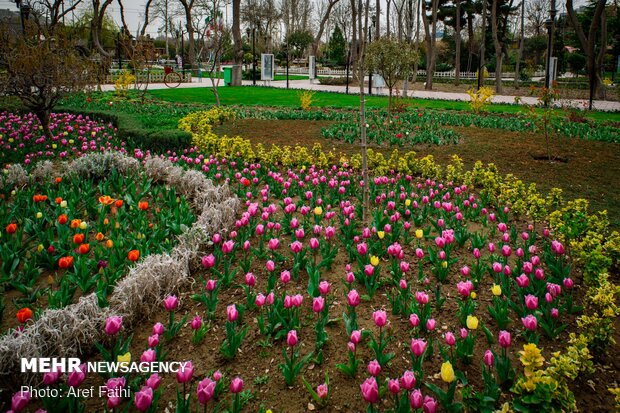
pixel 589 43
pixel 430 31
pixel 536 13
pixel 188 9
pixel 55 10
pixel 96 24
pixel 36 66
pixel 521 45
pixel 317 38
pixel 457 36
pixel 499 55
pixel 362 37
pixel 147 14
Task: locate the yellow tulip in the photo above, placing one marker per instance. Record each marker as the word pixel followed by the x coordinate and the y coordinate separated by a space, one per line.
pixel 447 372
pixel 472 322
pixel 496 290
pixel 407 202
pixel 124 358
pixel 83 225
pixel 63 204
pixel 444 264
pixel 473 295
pixel 419 233
pixel 40 247
pixel 381 234
pixel 39 215
pixel 374 260
pixel 318 211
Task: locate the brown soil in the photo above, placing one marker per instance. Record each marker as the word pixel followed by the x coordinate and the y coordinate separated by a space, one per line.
pixel 588 169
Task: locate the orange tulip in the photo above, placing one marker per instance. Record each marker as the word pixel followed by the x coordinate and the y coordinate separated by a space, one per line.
pixel 106 221
pixel 24 315
pixel 143 206
pixel 65 262
pixel 99 236
pixel 75 223
pixel 78 238
pixel 118 203
pixel 133 255
pixel 11 228
pixel 109 243
pixel 62 219
pixel 106 200
pixel 58 200
pixel 39 198
pixel 58 179
pixel 84 248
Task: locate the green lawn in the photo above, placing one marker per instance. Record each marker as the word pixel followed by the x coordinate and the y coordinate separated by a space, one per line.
pixel 264 96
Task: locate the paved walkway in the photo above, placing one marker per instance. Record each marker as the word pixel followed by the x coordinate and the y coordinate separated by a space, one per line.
pixel 306 84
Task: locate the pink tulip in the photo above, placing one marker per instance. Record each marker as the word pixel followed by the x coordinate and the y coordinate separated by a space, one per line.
pixel 523 281
pixel 421 297
pixel 419 253
pixel 171 303
pixel 250 279
pixel 463 333
pixel 158 329
pixel 318 304
pixel 196 323
pixel 143 398
pixel 260 300
pixel 296 247
pixel 350 277
pixel 465 288
pixel 489 358
pixel 205 390
pixel 380 318
pixel 76 377
pixel 414 320
pixel 362 248
pixel 324 287
pixel 273 244
pixel 477 254
pixel 430 324
pixel 369 270
pixel 285 276
pixel 153 381
pixel 291 339
pixel 51 377
pixel 322 391
pixel 374 368
pixel 530 322
pixel 557 248
pixel 404 266
pixel 228 246
pixel 528 267
pixel 297 300
pixel 113 325
pixel 270 265
pixel 504 339
pixel 148 356
pixel 450 339
pixel 211 285
pixel 236 385
pixel 356 336
pixel 232 313
pixel 531 302
pixel 430 405
pixel 370 390
pixel 416 399
pixel 408 380
pixel 314 243
pixel 217 238
pixel 418 346
pixel 394 386
pixel 208 261
pixel 184 374
pixel 20 400
pixel 465 271
pixel 217 376
pixel 568 283
pixel 555 313
pixel 353 298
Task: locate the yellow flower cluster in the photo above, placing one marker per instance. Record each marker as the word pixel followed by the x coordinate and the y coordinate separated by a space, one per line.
pixel 480 99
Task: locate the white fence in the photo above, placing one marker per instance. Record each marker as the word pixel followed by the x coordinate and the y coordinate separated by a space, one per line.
pixel 449 75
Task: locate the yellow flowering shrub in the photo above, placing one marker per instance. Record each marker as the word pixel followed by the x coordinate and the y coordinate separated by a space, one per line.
pixel 480 99
pixel 122 83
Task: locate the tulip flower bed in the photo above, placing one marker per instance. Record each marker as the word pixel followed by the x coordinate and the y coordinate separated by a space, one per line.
pixel 445 298
pixel 22 139
pixel 68 236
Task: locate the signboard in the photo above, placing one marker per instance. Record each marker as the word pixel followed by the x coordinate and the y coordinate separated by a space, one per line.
pixel 312 67
pixel 267 66
pixel 553 70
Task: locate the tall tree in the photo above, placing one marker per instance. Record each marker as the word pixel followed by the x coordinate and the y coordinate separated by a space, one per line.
pixel 96 24
pixel 597 31
pixel 457 37
pixel 238 41
pixel 324 19
pixel 521 45
pixel 430 32
pixel 188 9
pixel 55 10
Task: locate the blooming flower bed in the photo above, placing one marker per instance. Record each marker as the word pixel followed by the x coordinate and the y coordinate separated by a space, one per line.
pixel 444 296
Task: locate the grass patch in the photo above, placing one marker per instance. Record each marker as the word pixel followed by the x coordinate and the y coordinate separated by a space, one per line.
pixel 265 96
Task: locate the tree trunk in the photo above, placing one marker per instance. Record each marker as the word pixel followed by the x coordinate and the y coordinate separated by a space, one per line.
pixel 317 39
pixel 96 25
pixel 378 19
pixel 236 32
pixel 431 40
pixel 498 49
pixel 521 45
pixel 457 35
pixel 365 190
pixel 44 118
pixel 470 35
pixel 588 44
pixel 354 35
pixel 387 18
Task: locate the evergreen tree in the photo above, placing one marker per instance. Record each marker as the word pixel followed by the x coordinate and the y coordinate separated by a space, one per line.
pixel 337 47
